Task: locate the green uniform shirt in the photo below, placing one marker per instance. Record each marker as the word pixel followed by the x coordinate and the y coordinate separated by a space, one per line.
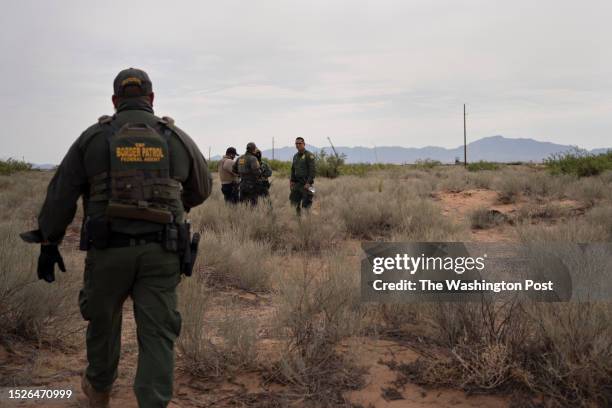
pixel 303 168
pixel 89 156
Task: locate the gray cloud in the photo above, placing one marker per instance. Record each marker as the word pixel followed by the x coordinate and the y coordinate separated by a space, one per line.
pixel 364 73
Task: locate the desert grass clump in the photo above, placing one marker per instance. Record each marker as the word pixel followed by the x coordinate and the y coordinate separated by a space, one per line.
pixel 571 353
pixel 509 186
pixel 588 191
pixel 213 344
pixel 30 308
pixel 482 340
pixel 455 180
pixel 372 215
pixel 601 217
pixel 483 218
pixel 543 185
pixel 482 179
pixel 233 259
pixel 533 212
pixel 398 212
pixel 559 351
pixel 316 309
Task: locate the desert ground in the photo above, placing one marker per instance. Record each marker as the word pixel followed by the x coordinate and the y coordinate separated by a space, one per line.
pixel 272 315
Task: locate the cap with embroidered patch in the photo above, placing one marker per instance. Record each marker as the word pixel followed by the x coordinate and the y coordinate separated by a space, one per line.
pixel 133 78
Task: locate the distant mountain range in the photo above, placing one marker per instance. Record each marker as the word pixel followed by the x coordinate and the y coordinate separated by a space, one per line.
pixel 493 148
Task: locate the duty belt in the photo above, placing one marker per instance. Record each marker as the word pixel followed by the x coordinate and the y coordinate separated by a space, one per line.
pixel 119 240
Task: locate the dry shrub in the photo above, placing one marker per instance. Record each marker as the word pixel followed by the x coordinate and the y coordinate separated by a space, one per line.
pixel 571 356
pixel 237 260
pixel 601 218
pixel 571 230
pixel 481 179
pixel 399 216
pixel 392 319
pixel 509 185
pixel 547 211
pixel 483 218
pixel 371 215
pixel 212 348
pixel 31 308
pixel 316 309
pixel 455 180
pixel 588 190
pixel 560 351
pixel 542 184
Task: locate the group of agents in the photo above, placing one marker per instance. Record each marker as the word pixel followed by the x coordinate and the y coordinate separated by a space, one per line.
pixel 246 178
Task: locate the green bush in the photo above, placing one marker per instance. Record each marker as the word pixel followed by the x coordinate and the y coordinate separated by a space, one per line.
pixel 361 169
pixel 280 168
pixel 329 165
pixel 213 166
pixel 579 163
pixel 11 166
pixel 482 165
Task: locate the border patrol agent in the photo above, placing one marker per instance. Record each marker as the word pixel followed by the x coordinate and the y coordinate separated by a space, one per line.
pixel 138 175
pixel 247 166
pixel 302 176
pixel 263 184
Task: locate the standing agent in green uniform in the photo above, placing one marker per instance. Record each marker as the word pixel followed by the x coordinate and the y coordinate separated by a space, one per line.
pixel 138 175
pixel 247 166
pixel 302 177
pixel 263 183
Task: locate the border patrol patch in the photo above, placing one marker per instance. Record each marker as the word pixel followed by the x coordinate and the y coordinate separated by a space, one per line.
pixel 139 153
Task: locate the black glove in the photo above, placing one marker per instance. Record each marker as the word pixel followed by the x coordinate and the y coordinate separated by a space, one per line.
pixel 49 256
pixel 32 237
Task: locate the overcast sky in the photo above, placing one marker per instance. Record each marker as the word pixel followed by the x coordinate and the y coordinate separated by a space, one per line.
pixel 363 73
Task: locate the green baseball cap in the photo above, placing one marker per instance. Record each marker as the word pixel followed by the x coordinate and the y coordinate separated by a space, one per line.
pixel 132 77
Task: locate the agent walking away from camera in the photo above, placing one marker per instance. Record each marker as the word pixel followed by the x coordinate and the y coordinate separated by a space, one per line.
pixel 138 175
pixel 263 184
pixel 248 168
pixel 229 179
pixel 302 177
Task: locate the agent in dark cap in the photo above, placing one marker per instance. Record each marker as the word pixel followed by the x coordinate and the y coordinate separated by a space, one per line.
pixel 229 179
pixel 248 168
pixel 139 175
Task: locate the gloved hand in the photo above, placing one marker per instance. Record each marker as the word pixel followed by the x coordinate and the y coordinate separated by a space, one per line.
pixel 49 256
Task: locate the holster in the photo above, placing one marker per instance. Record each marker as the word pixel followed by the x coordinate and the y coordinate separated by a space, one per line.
pixel 177 238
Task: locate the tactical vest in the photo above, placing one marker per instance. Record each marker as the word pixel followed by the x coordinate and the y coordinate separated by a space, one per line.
pixel 138 185
pixel 245 169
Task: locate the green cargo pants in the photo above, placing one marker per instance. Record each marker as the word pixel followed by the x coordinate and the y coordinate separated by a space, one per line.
pixel 299 197
pixel 150 275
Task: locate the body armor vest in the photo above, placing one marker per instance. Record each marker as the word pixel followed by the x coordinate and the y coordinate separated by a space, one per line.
pixel 138 185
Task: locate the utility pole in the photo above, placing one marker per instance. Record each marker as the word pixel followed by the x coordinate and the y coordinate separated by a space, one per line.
pixel 209 153
pixel 272 147
pixel 464 139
